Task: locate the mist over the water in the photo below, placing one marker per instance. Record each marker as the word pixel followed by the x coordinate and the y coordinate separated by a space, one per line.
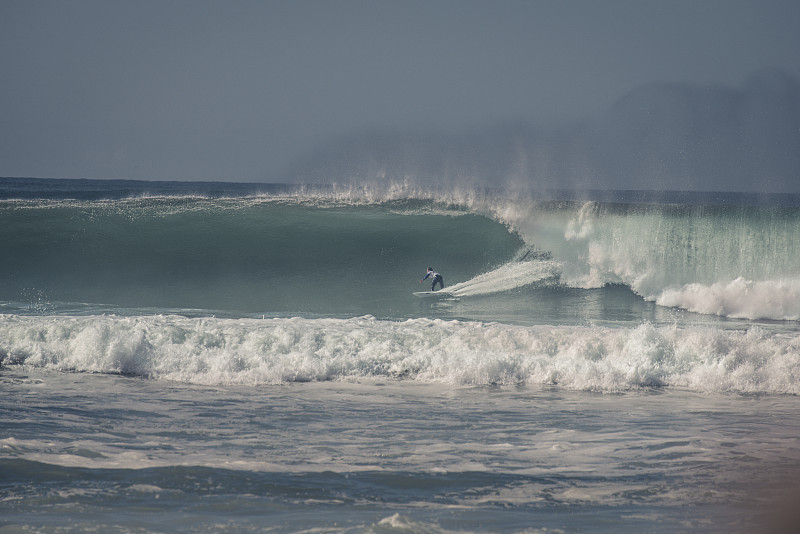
pixel 661 136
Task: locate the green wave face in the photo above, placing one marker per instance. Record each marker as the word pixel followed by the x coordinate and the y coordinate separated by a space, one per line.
pixel 240 254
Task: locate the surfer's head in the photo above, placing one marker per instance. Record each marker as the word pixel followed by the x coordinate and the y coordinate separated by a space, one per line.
pixel 430 269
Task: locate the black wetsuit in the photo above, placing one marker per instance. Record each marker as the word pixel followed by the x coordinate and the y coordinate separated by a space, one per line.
pixel 437 279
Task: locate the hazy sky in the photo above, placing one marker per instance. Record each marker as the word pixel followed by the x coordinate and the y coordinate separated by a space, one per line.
pixel 240 90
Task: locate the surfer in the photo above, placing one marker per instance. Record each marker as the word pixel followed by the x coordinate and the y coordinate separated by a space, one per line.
pixel 437 279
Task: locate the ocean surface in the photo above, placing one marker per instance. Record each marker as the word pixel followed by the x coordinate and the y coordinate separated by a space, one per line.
pixel 215 357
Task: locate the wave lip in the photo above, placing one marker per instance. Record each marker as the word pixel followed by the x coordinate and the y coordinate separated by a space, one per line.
pixel 274 351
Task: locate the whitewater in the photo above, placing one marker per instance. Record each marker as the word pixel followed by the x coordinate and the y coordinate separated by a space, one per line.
pixel 245 357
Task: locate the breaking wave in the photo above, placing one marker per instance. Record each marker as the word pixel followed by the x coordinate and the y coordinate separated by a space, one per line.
pixel 300 251
pixel 273 351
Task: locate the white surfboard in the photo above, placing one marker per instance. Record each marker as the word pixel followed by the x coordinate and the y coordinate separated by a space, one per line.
pixel 429 294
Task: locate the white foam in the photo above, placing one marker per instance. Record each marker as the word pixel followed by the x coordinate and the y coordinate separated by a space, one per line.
pixel 740 298
pixel 401 523
pixel 274 351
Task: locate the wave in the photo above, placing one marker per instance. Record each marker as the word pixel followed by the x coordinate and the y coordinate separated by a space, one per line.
pixel 256 352
pixel 353 250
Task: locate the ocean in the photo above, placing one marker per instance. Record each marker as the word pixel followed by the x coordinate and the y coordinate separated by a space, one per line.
pixel 219 357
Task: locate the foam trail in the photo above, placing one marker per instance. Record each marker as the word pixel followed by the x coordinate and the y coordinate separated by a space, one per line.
pixel 514 275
